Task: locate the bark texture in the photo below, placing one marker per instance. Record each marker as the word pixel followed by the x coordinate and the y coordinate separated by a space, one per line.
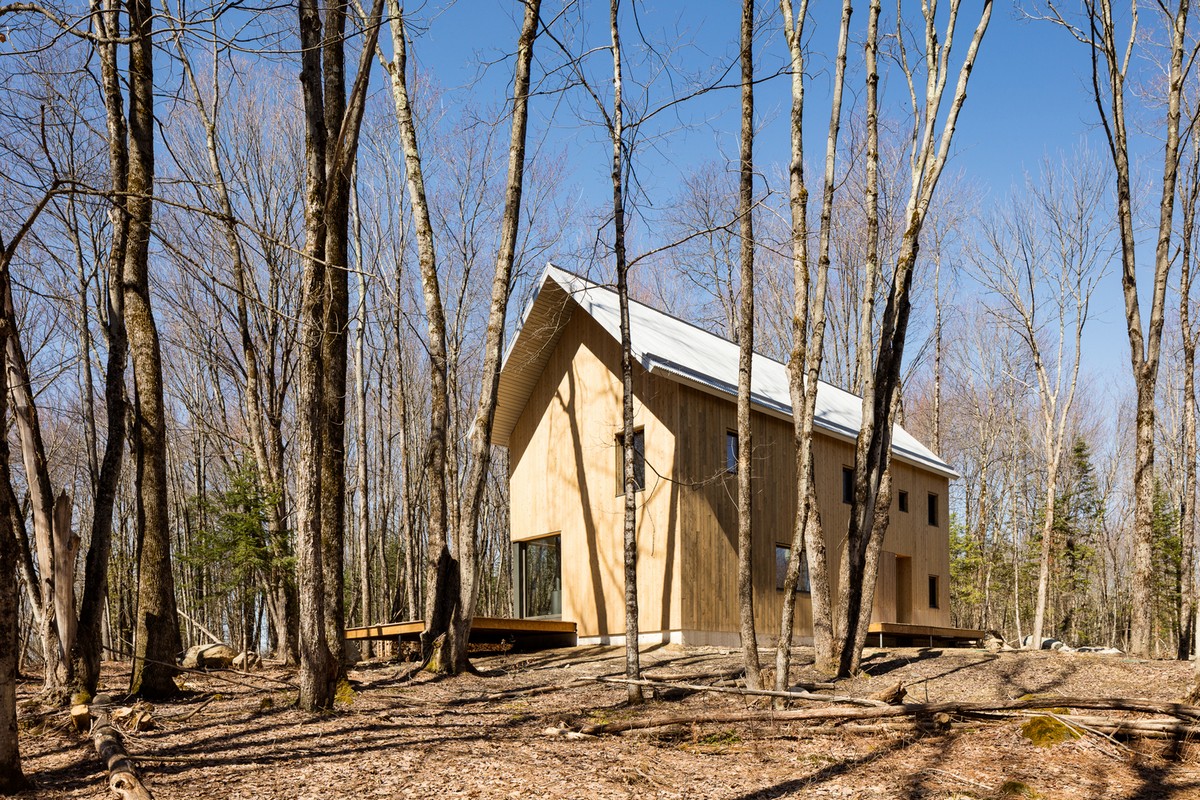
pixel 156 633
pixel 745 336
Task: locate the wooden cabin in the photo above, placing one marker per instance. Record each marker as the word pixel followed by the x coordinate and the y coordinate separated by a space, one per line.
pixel 559 415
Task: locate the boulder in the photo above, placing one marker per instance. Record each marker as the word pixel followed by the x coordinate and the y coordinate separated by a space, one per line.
pixel 246 661
pixel 1047 643
pixel 209 656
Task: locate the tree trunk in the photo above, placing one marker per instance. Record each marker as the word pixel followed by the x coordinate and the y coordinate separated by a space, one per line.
pixel 745 489
pixel 156 636
pixel 481 432
pixel 12 780
pixel 881 394
pixel 808 346
pixel 441 569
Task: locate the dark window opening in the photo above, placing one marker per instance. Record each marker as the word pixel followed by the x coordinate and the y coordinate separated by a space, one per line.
pixel 731 452
pixel 903 500
pixel 933 591
pixel 639 461
pixel 933 509
pixel 847 485
pixel 782 554
pixel 540 567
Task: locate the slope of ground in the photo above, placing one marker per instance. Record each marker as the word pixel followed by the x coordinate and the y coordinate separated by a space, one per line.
pixel 454 738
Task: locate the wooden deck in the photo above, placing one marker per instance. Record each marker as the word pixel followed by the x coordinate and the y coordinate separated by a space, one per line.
pixel 914 634
pixel 548 632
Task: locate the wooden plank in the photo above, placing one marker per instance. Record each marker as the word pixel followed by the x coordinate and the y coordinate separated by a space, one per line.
pixel 936 631
pixel 491 624
pixel 387 631
pixel 519 625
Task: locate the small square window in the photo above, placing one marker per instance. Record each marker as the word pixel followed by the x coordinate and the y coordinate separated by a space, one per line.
pixel 902 500
pixel 847 485
pixel 933 592
pixel 933 509
pixel 639 461
pixel 731 452
pixel 782 554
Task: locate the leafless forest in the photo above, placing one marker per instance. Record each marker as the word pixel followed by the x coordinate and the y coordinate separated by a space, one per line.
pixel 258 265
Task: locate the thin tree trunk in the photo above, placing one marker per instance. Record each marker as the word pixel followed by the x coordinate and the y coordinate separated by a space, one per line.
pixel 745 488
pixel 881 394
pixel 629 481
pixel 481 433
pixel 442 570
pixel 808 345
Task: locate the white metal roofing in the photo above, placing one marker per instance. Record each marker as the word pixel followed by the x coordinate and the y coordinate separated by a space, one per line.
pixel 676 349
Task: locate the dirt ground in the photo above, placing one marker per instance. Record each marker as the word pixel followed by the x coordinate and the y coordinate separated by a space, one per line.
pixel 442 738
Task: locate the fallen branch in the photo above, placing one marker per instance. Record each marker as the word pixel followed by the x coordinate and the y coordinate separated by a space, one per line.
pixel 123 779
pixel 801 695
pixel 917 710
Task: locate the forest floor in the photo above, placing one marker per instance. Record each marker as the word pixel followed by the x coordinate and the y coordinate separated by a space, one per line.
pixel 446 738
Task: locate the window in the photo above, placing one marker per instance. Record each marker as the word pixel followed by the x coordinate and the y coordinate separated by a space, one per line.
pixel 782 554
pixel 539 564
pixel 847 485
pixel 903 501
pixel 731 452
pixel 933 509
pixel 639 461
pixel 933 591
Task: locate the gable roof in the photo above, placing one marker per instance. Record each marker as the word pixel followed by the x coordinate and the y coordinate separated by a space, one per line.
pixel 668 346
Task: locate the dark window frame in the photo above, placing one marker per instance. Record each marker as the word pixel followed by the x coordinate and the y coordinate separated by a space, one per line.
pixel 523 576
pixel 935 589
pixel 847 485
pixel 934 510
pixel 731 440
pixel 804 585
pixel 639 460
pixel 902 501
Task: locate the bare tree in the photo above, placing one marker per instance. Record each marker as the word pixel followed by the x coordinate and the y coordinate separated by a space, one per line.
pixel 808 332
pixel 1042 260
pixel 332 120
pixel 745 486
pixel 485 412
pixel 1111 54
pixel 858 564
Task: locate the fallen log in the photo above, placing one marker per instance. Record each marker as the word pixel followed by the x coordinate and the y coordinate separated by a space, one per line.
pixel 123 779
pixel 916 710
pixel 800 695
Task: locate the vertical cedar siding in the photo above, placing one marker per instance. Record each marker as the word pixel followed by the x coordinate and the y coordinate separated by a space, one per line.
pixel 562 474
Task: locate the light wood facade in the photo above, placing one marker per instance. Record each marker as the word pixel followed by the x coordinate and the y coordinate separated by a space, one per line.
pixel 565 482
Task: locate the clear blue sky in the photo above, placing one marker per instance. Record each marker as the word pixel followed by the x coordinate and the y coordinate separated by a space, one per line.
pixel 1029 98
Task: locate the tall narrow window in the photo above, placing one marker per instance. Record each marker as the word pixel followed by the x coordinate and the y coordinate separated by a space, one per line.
pixel 933 591
pixel 847 485
pixel 639 460
pixel 933 509
pixel 540 566
pixel 782 554
pixel 902 500
pixel 731 452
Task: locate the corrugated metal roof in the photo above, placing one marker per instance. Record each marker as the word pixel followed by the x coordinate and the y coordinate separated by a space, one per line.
pixel 674 348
